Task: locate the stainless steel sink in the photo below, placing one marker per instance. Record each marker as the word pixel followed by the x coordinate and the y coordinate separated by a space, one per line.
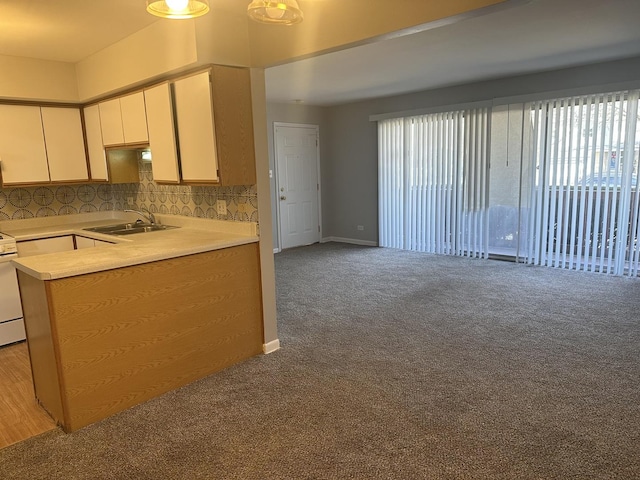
pixel 129 228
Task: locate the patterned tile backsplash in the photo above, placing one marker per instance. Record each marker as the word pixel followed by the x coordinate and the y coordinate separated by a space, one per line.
pixel 191 201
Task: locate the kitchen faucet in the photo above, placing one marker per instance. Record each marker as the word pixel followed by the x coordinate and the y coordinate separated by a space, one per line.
pixel 150 217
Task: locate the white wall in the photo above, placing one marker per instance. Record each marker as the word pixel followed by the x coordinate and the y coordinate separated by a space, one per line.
pixel 40 80
pixel 160 48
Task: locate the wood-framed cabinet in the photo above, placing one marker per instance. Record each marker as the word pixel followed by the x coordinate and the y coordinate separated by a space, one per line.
pixel 123 120
pixel 64 140
pixel 41 145
pixel 162 133
pixel 196 129
pixel 213 123
pixel 233 119
pixel 119 166
pixel 95 147
pixel 199 128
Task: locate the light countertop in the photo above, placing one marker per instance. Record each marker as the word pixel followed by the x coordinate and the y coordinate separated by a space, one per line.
pixel 195 235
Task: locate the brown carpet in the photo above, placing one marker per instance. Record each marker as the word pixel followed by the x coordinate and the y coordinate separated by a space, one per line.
pixel 394 365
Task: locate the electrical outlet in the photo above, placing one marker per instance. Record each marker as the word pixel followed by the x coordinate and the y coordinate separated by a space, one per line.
pixel 222 207
pixel 360 227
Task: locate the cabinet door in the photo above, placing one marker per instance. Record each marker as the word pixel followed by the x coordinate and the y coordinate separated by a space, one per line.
pixel 22 150
pixel 84 242
pixel 65 144
pixel 93 130
pixel 196 134
pixel 134 118
pixel 45 245
pixel 162 139
pixel 111 122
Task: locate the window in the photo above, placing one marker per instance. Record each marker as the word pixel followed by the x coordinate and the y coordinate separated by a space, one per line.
pixel 433 182
pixel 583 202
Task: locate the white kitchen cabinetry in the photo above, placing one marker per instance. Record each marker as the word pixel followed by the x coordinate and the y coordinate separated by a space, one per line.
pixel 215 127
pixel 85 242
pixel 65 144
pixel 117 166
pixel 22 150
pixel 45 245
pixel 196 134
pixel 95 147
pixel 123 120
pixel 162 138
pixel 134 118
pixel 111 122
pixel 41 145
pixel 63 243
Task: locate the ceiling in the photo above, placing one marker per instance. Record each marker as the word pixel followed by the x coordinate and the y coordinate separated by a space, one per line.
pixel 67 30
pixel 529 36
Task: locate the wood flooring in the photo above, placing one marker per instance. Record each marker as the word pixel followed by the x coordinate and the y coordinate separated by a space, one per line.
pixel 20 415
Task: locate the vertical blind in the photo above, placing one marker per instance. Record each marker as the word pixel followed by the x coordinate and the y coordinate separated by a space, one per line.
pixel 433 182
pixel 584 205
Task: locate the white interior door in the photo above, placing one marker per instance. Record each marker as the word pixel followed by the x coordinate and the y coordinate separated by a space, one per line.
pixel 296 149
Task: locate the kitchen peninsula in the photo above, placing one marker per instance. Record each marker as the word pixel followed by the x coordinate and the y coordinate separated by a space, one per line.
pixel 112 326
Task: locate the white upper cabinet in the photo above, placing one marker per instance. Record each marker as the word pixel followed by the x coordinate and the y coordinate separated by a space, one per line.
pixel 134 118
pixel 41 144
pixel 22 150
pixel 95 147
pixel 214 119
pixel 65 144
pixel 194 114
pixel 111 122
pixel 124 120
pixel 162 139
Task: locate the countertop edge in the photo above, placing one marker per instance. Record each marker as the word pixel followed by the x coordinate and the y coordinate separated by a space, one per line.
pixel 128 262
pixel 194 235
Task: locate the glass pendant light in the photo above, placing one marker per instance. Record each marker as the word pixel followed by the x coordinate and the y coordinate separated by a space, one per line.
pixel 282 12
pixel 177 9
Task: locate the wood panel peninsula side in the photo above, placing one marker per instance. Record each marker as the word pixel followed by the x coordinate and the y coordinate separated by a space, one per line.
pixel 102 342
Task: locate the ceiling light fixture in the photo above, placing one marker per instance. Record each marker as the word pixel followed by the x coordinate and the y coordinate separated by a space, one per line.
pixel 281 12
pixel 177 9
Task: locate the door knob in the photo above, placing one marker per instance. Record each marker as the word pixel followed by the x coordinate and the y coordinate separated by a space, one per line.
pixel 282 197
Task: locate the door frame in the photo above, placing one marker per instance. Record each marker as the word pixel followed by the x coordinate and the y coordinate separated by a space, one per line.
pixel 276 194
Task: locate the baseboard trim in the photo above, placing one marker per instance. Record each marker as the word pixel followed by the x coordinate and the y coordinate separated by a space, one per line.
pixel 276 250
pixel 353 241
pixel 271 347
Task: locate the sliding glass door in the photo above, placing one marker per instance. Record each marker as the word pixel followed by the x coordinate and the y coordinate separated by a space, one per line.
pixel 582 194
pixel 505 211
pixel 552 182
pixel 433 182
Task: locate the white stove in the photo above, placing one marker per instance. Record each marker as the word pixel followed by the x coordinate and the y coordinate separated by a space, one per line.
pixel 11 319
pixel 7 245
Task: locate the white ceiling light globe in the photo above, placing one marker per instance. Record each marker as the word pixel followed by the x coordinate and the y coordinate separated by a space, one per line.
pixel 177 5
pixel 275 13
